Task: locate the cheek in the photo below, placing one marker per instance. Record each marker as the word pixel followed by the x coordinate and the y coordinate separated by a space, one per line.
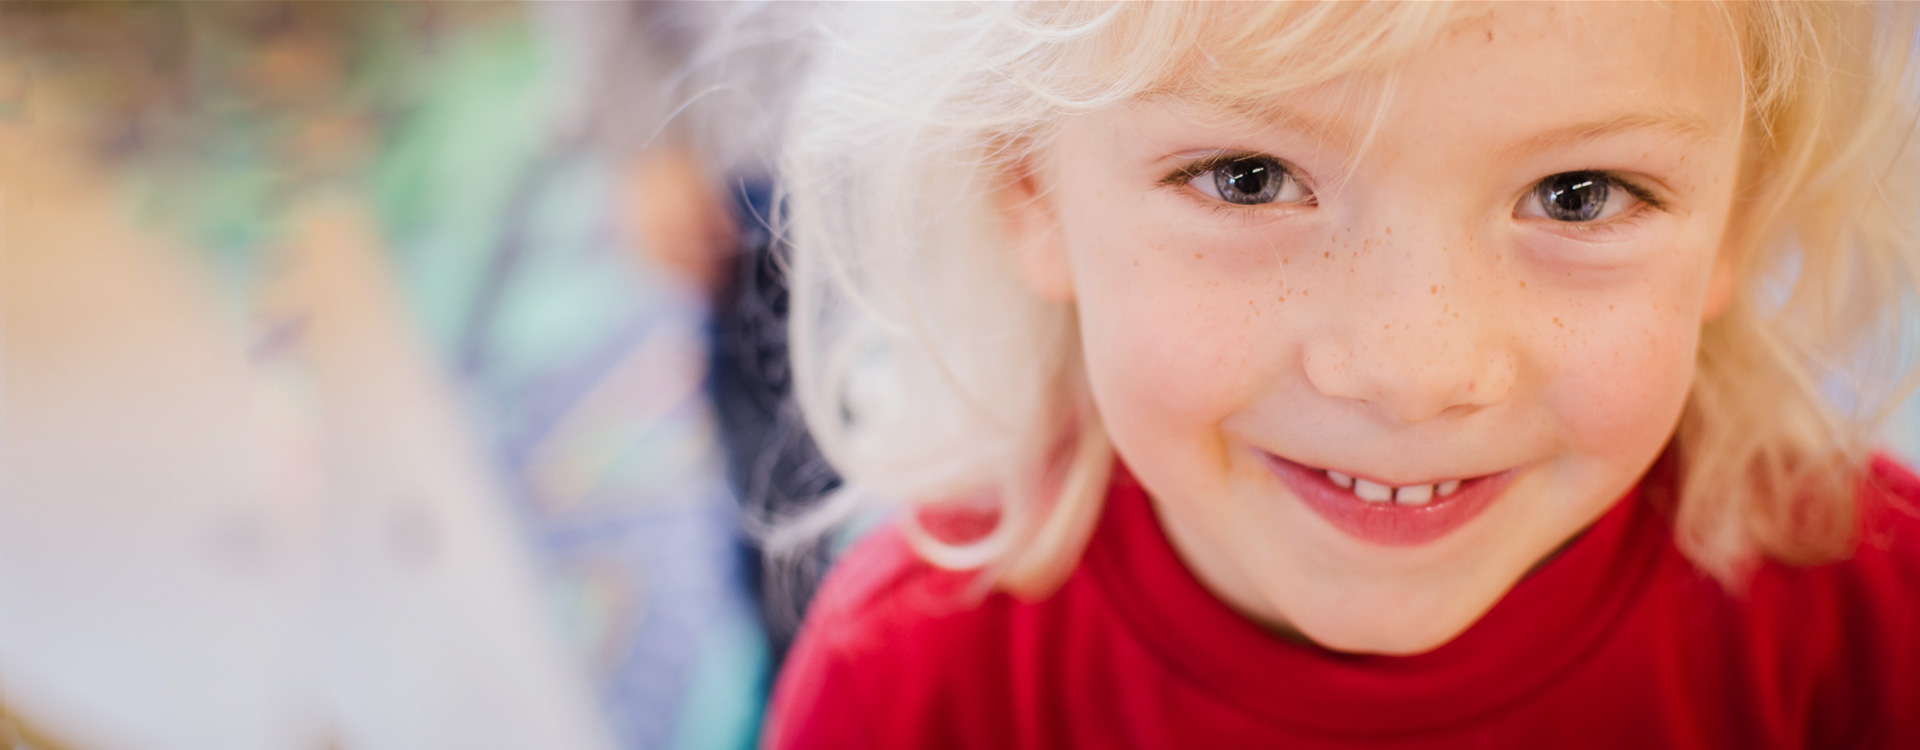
pixel 1619 386
pixel 1623 350
pixel 1172 345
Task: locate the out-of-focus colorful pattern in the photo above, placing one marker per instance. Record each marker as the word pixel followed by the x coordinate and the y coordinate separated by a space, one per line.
pixel 589 377
pixel 577 366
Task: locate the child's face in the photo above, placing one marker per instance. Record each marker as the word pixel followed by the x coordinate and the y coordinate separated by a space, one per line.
pixel 1495 309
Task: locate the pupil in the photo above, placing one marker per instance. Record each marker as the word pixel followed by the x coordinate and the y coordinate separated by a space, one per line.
pixel 1574 196
pixel 1248 181
pixel 1249 177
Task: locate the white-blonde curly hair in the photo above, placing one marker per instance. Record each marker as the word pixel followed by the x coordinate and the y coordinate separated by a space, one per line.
pixel 928 372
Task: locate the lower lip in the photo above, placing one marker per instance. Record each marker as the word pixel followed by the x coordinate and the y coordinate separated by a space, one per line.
pixel 1389 524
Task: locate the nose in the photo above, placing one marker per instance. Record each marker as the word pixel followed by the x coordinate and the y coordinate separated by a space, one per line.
pixel 1417 343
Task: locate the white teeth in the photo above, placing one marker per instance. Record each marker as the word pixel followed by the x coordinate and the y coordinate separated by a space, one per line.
pixel 1370 492
pixel 1417 494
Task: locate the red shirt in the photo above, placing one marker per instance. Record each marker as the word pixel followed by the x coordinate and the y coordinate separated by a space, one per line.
pixel 1617 642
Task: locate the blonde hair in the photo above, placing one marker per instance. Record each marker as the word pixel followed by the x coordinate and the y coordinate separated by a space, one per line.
pixel 928 372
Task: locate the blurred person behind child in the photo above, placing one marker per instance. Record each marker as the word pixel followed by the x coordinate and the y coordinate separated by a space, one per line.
pixel 695 96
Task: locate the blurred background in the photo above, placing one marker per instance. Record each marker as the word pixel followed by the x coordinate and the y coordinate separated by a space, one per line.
pixel 398 374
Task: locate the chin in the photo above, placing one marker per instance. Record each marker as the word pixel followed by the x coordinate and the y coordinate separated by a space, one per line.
pixel 1402 635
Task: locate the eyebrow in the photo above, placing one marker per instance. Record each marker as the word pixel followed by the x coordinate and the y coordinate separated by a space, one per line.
pixel 1673 123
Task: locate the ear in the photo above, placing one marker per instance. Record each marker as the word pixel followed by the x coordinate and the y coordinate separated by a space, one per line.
pixel 1031 224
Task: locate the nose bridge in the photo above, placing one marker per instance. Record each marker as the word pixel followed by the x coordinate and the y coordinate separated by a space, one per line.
pixel 1425 334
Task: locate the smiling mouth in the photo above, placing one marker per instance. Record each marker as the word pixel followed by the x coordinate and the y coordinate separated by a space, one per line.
pixel 1388 515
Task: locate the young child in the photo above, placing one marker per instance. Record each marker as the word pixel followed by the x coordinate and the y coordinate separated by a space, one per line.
pixel 1359 375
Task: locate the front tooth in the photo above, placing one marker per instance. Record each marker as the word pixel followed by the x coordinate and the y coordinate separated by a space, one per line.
pixel 1417 494
pixel 1370 492
pixel 1345 482
pixel 1449 487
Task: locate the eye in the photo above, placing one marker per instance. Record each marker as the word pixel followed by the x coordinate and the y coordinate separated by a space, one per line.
pixel 1578 197
pixel 1249 181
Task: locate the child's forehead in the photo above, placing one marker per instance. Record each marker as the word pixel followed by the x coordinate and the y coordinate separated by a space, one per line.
pixel 1242 57
pixel 1516 61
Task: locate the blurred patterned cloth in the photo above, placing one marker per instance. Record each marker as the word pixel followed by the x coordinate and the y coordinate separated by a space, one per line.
pixel 588 372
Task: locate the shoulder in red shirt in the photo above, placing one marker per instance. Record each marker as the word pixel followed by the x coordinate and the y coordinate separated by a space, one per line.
pixel 1617 642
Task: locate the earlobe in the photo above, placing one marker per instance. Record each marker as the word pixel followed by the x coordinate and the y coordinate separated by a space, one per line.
pixel 1031 225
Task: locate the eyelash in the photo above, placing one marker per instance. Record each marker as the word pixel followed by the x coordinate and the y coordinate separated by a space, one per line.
pixel 1646 198
pixel 1633 188
pixel 1187 173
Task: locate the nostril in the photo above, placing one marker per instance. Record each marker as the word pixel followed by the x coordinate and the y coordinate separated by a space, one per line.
pixel 1494 378
pixel 1326 371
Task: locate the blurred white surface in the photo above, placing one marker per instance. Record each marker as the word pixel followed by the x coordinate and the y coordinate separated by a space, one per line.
pixel 207 547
